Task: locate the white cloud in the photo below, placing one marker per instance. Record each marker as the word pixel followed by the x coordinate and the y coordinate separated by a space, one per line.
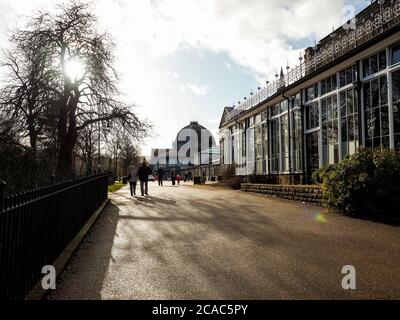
pixel 228 65
pixel 256 34
pixel 198 90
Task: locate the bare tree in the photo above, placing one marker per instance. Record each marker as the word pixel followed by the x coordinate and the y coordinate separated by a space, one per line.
pixel 24 97
pixel 86 146
pixel 74 76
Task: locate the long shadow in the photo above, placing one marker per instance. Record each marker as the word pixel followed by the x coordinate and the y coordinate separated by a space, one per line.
pixel 85 274
pixel 283 256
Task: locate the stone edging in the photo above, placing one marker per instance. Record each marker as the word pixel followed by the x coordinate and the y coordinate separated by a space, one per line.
pixel 300 193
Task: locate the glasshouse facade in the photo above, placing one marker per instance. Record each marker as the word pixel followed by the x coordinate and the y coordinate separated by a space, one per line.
pixel 345 93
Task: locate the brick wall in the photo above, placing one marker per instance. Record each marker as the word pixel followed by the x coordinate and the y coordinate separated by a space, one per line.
pixel 308 194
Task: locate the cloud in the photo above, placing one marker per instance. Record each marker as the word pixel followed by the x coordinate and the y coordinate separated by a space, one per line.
pixel 257 34
pixel 228 65
pixel 198 90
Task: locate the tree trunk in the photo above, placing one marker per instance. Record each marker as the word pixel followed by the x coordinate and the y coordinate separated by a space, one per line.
pixel 67 135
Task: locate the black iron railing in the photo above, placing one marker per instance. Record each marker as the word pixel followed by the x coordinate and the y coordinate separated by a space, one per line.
pixel 37 225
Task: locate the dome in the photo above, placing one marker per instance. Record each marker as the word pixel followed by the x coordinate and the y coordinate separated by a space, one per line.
pixel 194 125
pixel 188 135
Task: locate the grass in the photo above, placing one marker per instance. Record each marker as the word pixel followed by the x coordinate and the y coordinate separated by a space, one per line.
pixel 115 187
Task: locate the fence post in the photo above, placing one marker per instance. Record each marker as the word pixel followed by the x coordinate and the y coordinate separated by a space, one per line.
pixel 52 179
pixel 2 187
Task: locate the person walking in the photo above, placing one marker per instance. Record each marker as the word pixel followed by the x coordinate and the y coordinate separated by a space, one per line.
pixel 178 179
pixel 160 174
pixel 143 173
pixel 132 178
pixel 173 176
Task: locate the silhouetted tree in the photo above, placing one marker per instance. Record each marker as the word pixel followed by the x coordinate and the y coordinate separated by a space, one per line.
pixel 50 97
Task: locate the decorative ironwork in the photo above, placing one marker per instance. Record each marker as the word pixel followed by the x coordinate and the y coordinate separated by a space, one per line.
pixel 383 17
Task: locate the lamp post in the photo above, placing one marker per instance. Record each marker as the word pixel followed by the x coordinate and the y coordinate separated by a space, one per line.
pixel 288 75
pixel 99 146
pixel 301 65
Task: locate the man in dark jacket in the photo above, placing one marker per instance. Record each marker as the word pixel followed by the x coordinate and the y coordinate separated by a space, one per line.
pixel 160 175
pixel 143 173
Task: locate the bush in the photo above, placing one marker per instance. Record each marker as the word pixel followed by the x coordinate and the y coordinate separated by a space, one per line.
pixel 229 172
pixel 234 183
pixel 364 183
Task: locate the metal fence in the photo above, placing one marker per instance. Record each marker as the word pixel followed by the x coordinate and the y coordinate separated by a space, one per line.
pixel 37 225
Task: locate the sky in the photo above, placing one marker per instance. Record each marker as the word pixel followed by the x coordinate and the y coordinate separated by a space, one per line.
pixel 185 60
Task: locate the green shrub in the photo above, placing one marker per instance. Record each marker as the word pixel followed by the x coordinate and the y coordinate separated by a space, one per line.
pixel 234 183
pixel 364 183
pixel 229 172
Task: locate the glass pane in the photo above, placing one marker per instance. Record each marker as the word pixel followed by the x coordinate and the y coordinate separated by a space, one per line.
pixel 396 54
pixel 382 60
pixel 350 103
pixel 397 142
pixel 377 126
pixel 369 124
pixel 323 87
pixel 367 96
pixel 349 75
pixel 383 90
pixel 356 134
pixel 386 142
pixel 316 93
pixel 385 121
pixel 334 82
pixel 324 110
pixel 396 117
pixel 315 118
pixel 396 86
pixel 366 68
pixel 374 64
pixel 377 142
pixel 344 129
pixel 351 128
pixel 342 79
pixel 343 104
pixel 375 93
pixel 368 143
pixel 355 73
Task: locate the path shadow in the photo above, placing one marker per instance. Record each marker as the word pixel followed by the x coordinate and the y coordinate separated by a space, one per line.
pixel 85 274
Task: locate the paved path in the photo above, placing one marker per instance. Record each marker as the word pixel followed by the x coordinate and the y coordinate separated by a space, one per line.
pixel 206 243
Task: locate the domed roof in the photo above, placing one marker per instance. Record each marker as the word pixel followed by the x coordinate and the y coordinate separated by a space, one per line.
pixel 194 125
pixel 184 136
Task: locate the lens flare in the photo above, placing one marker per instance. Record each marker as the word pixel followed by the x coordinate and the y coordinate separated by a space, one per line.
pixel 320 218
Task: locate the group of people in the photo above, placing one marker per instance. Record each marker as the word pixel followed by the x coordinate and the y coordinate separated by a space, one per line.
pixel 142 174
pixel 175 178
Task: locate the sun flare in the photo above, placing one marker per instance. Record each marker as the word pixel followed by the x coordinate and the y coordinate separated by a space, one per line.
pixel 74 69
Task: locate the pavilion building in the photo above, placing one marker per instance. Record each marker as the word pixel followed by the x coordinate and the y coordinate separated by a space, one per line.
pixel 344 94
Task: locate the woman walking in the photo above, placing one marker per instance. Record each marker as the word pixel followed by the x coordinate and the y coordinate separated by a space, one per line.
pixel 132 178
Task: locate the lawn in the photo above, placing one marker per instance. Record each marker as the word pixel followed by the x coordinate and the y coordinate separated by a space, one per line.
pixel 115 187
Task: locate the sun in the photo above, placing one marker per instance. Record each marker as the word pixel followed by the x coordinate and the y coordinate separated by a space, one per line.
pixel 74 69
